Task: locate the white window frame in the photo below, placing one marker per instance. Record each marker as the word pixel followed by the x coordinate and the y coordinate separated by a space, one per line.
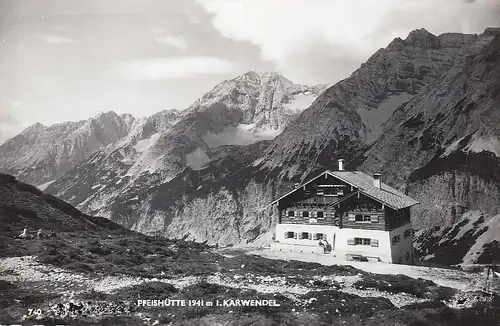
pixel 362 241
pixel 323 236
pixel 306 238
pixel 364 219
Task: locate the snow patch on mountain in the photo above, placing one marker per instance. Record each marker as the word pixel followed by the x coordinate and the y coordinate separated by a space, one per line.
pixel 301 102
pixel 477 144
pixel 197 159
pixel 242 134
pixel 144 144
pixel 373 120
pixel 43 186
pixel 452 147
pixel 485 143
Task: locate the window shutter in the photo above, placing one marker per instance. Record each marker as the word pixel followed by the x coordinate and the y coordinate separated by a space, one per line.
pixel 310 236
pixel 374 218
pixel 374 242
pixel 286 235
pixel 295 235
pixel 350 242
pixel 313 214
pixel 352 217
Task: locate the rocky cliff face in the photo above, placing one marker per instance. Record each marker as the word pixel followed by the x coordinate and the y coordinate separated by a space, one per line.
pixel 116 167
pixel 228 195
pixel 41 154
pixel 244 111
pixel 263 103
pixel 350 115
pixel 442 146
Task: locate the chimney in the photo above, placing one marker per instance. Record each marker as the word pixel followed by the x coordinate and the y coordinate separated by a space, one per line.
pixel 376 180
pixel 341 165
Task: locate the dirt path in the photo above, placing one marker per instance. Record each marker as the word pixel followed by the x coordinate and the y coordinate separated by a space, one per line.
pixel 460 280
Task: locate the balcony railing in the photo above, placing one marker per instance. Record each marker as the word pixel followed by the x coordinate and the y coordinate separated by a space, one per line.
pixel 310 221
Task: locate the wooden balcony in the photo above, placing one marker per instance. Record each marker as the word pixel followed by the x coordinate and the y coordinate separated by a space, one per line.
pixel 364 226
pixel 320 200
pixel 309 221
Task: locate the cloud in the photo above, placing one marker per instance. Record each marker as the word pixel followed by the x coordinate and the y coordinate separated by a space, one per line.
pixel 304 34
pixel 12 103
pixel 16 104
pixel 161 37
pixel 174 68
pixel 191 16
pixel 176 42
pixel 9 125
pixel 54 39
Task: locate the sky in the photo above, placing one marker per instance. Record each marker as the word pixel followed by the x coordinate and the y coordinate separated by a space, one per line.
pixel 63 60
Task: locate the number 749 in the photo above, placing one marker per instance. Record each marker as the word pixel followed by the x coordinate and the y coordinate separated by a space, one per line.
pixel 37 312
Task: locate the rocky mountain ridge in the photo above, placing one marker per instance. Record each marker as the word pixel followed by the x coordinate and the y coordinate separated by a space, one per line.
pixel 242 111
pixel 350 115
pixel 40 154
pixel 442 146
pixel 265 101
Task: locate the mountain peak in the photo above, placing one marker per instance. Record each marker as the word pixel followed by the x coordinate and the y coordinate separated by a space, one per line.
pixel 251 73
pixel 492 31
pixel 422 38
pixel 106 114
pixel 33 128
pixel 420 32
pixel 268 75
pixel 250 76
pixel 396 44
pixel 271 74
